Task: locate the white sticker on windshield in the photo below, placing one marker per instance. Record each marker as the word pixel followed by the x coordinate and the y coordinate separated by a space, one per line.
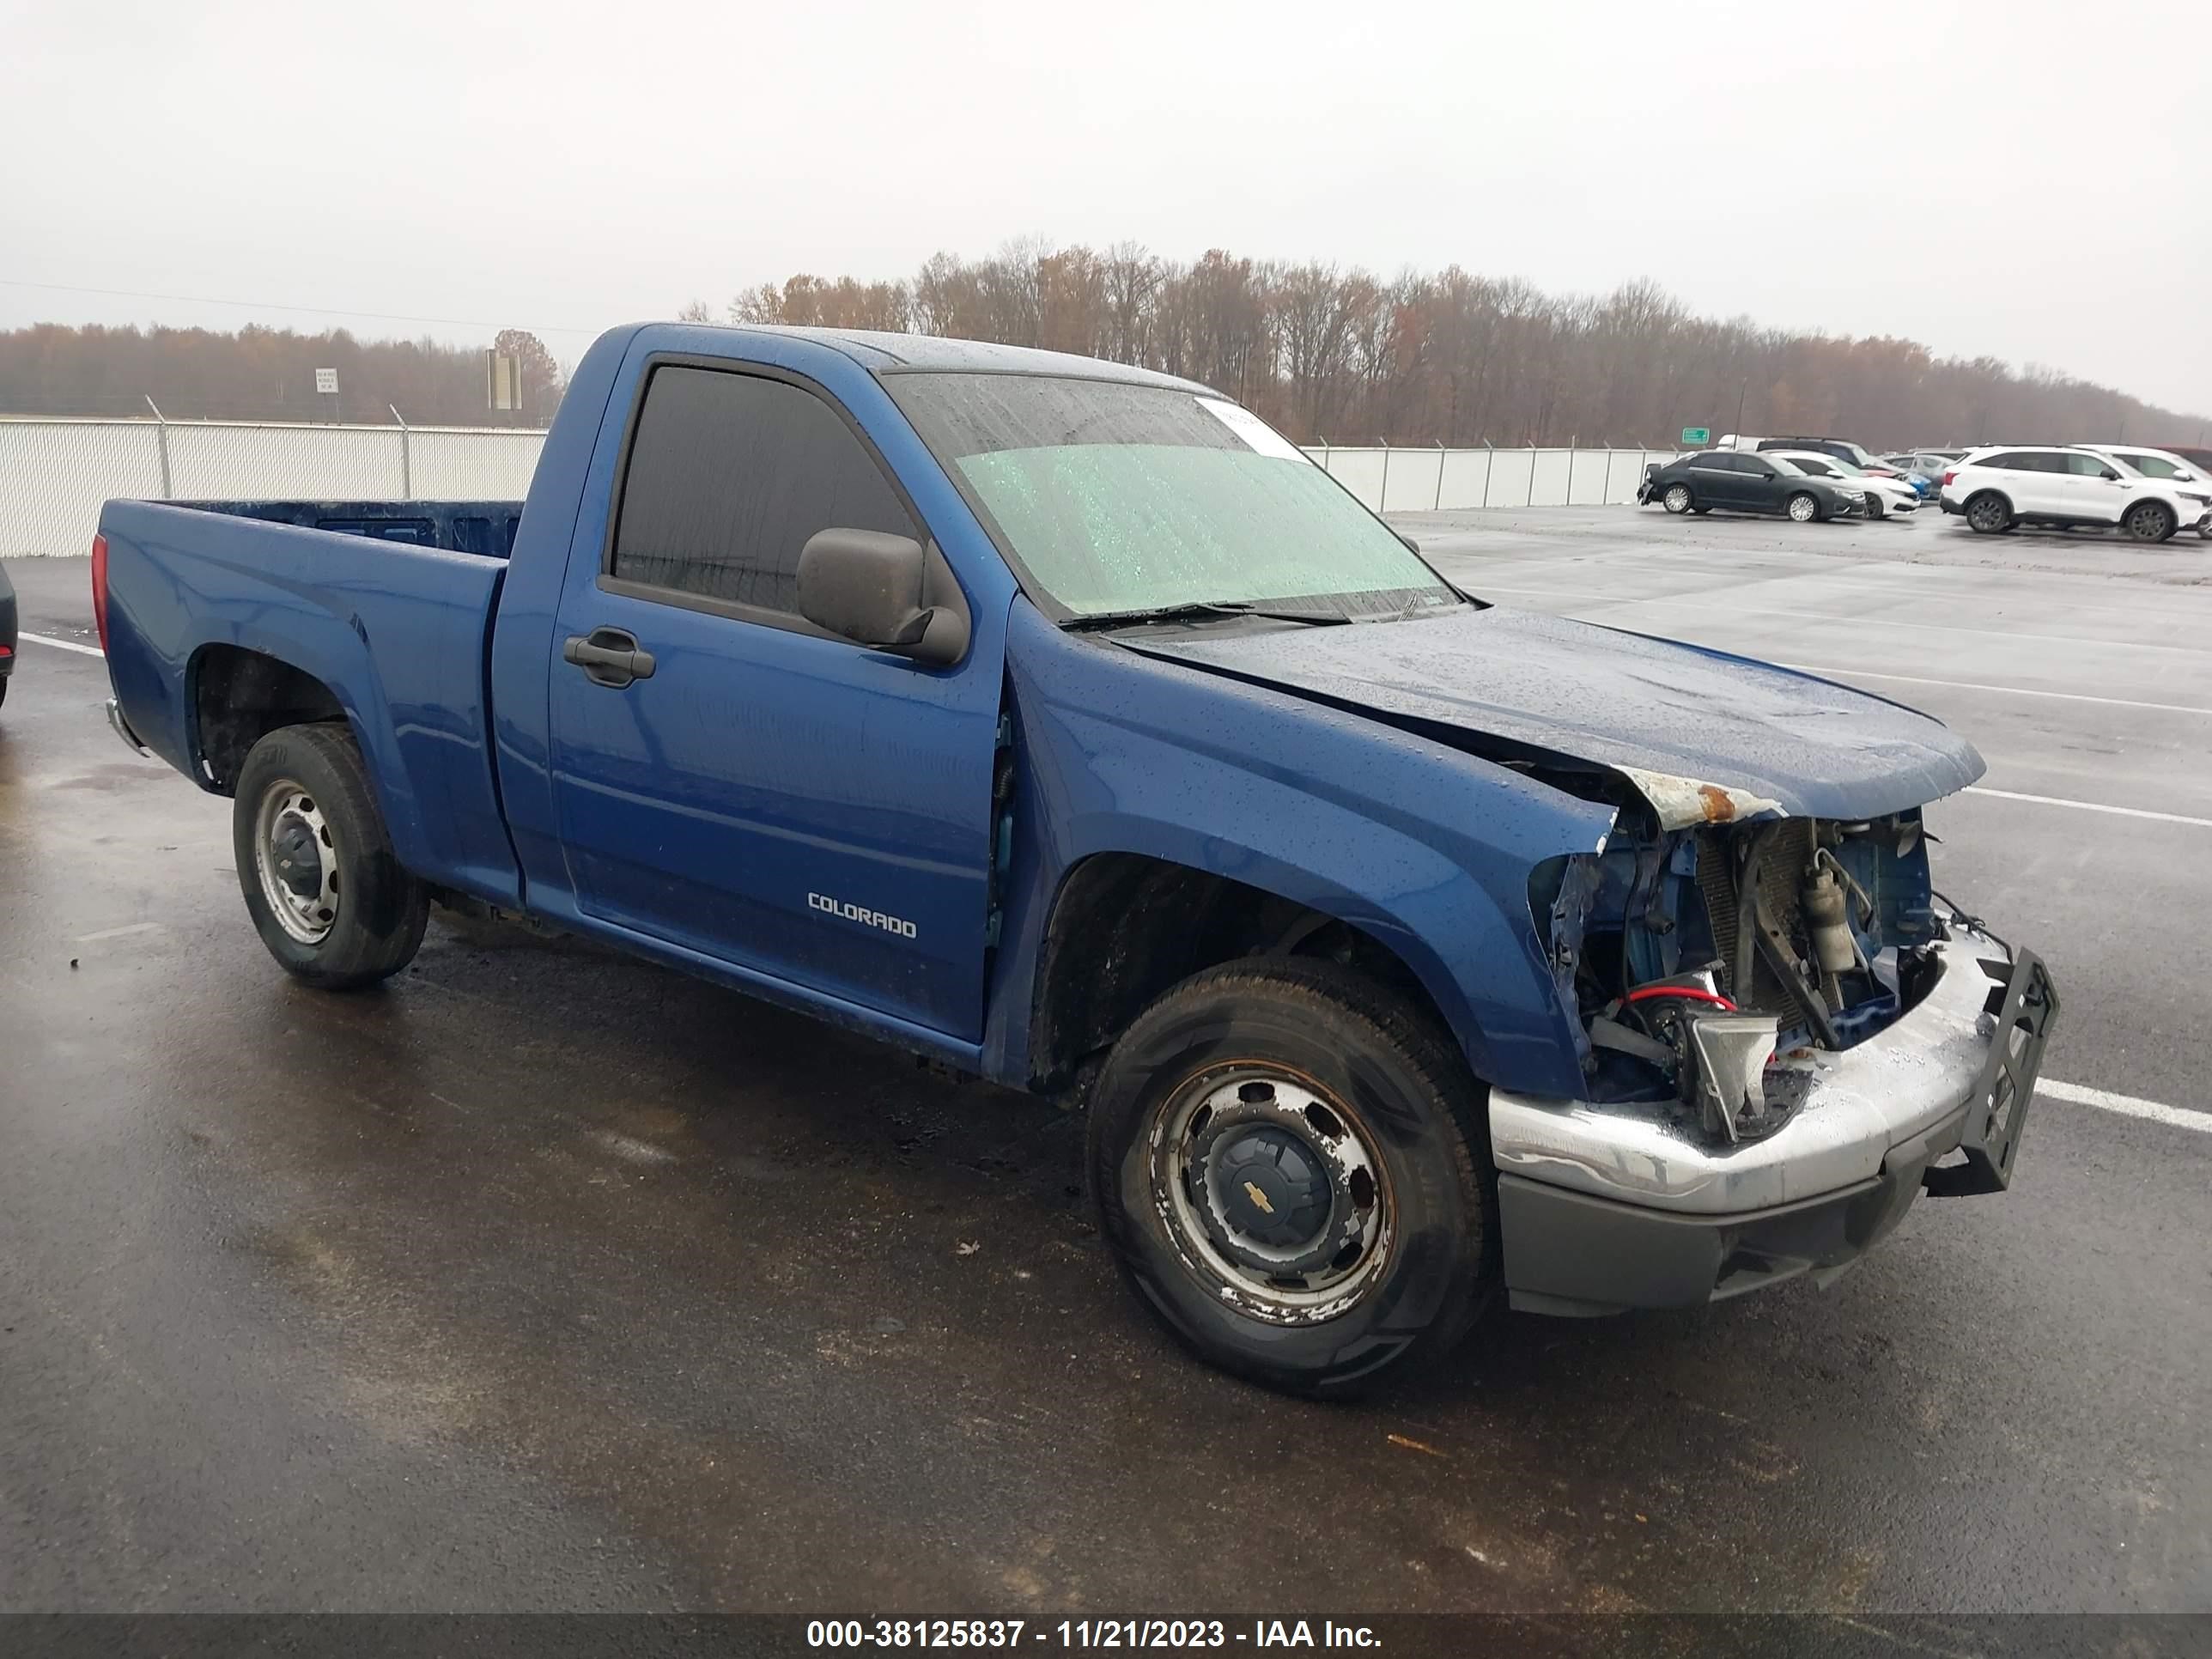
pixel 1257 433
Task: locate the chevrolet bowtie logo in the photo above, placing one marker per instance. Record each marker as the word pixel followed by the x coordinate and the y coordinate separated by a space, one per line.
pixel 1252 1191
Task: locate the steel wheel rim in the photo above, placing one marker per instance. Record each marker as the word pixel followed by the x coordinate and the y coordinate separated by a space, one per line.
pixel 1678 498
pixel 2144 523
pixel 1802 509
pixel 1985 515
pixel 296 861
pixel 1210 1138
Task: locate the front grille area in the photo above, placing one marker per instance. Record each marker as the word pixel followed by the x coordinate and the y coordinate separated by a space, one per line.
pixel 1751 984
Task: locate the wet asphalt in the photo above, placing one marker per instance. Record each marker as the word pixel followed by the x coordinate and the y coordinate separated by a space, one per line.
pixel 548 1279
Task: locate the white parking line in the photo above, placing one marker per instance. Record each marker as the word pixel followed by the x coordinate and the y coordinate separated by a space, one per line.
pixel 1848 674
pixel 2180 1118
pixel 124 932
pixel 1702 601
pixel 2091 806
pixel 63 645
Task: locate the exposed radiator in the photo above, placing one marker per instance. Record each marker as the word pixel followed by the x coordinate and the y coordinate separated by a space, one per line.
pixel 1787 856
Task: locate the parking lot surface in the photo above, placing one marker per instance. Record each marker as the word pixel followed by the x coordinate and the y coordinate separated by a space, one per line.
pixel 548 1279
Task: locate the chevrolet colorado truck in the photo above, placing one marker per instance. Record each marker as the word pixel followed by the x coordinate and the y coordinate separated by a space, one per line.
pixel 1059 721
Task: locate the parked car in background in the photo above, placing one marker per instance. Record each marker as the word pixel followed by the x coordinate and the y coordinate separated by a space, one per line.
pixel 1927 465
pixel 1885 496
pixel 2197 456
pixel 1742 483
pixel 1842 448
pixel 2002 486
pixel 8 637
pixel 2151 463
pixel 2159 463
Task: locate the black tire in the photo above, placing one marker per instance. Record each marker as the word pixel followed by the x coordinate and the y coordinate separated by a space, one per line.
pixel 1676 498
pixel 1408 1104
pixel 1701 511
pixel 2151 521
pixel 1989 513
pixel 375 911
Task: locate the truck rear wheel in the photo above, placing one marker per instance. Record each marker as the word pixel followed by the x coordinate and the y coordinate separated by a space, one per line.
pixel 1291 1167
pixel 315 862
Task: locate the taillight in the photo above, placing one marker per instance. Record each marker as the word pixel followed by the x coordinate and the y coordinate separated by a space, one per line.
pixel 99 587
pixel 1949 474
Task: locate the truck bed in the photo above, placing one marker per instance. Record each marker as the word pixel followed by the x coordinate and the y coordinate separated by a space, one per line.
pixel 398 632
pixel 485 527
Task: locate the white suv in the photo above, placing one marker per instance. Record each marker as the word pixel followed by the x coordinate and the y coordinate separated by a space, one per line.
pixel 2157 464
pixel 2005 485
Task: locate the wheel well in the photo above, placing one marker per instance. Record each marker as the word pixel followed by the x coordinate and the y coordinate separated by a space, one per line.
pixel 1986 492
pixel 240 696
pixel 1126 927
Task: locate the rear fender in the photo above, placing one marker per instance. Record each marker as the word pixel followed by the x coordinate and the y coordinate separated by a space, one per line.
pixel 395 633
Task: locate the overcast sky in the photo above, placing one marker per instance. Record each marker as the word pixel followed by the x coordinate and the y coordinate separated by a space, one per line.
pixel 2030 180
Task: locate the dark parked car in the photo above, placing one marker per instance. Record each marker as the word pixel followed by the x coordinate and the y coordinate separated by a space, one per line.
pixel 7 632
pixel 2199 458
pixel 1747 484
pixel 1843 449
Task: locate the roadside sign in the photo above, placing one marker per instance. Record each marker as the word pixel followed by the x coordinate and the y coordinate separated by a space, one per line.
pixel 326 382
pixel 502 380
pixel 1697 435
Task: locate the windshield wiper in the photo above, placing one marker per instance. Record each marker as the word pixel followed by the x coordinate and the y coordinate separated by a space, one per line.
pixel 1199 609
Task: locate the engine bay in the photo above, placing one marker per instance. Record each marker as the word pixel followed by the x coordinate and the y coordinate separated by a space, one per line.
pixel 1708 965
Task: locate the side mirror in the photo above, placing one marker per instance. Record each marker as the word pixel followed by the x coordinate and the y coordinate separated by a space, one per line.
pixel 2111 477
pixel 887 592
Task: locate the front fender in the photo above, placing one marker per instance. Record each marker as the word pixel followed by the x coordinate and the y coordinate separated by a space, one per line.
pixel 1425 848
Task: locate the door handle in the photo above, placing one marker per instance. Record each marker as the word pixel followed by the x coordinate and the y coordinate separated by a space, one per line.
pixel 608 657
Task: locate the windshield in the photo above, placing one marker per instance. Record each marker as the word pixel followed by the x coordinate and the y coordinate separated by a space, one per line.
pixel 1859 458
pixel 1113 498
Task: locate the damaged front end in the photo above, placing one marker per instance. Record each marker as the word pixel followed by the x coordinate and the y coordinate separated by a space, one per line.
pixel 1710 962
pixel 1782 1043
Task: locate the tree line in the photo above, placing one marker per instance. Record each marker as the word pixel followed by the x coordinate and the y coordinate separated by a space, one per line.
pixel 1327 352
pixel 265 375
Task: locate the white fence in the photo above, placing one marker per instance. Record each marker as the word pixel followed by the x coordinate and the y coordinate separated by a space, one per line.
pixel 1394 480
pixel 54 474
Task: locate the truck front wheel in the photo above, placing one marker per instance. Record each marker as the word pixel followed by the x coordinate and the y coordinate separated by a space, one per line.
pixel 1290 1166
pixel 315 862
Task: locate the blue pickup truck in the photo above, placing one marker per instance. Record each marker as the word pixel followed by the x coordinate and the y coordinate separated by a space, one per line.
pixel 1059 721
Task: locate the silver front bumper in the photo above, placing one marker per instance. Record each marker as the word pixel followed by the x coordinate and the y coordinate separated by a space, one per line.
pixel 1859 1103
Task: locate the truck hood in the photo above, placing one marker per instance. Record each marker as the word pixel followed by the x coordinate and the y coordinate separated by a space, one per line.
pixel 1703 736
